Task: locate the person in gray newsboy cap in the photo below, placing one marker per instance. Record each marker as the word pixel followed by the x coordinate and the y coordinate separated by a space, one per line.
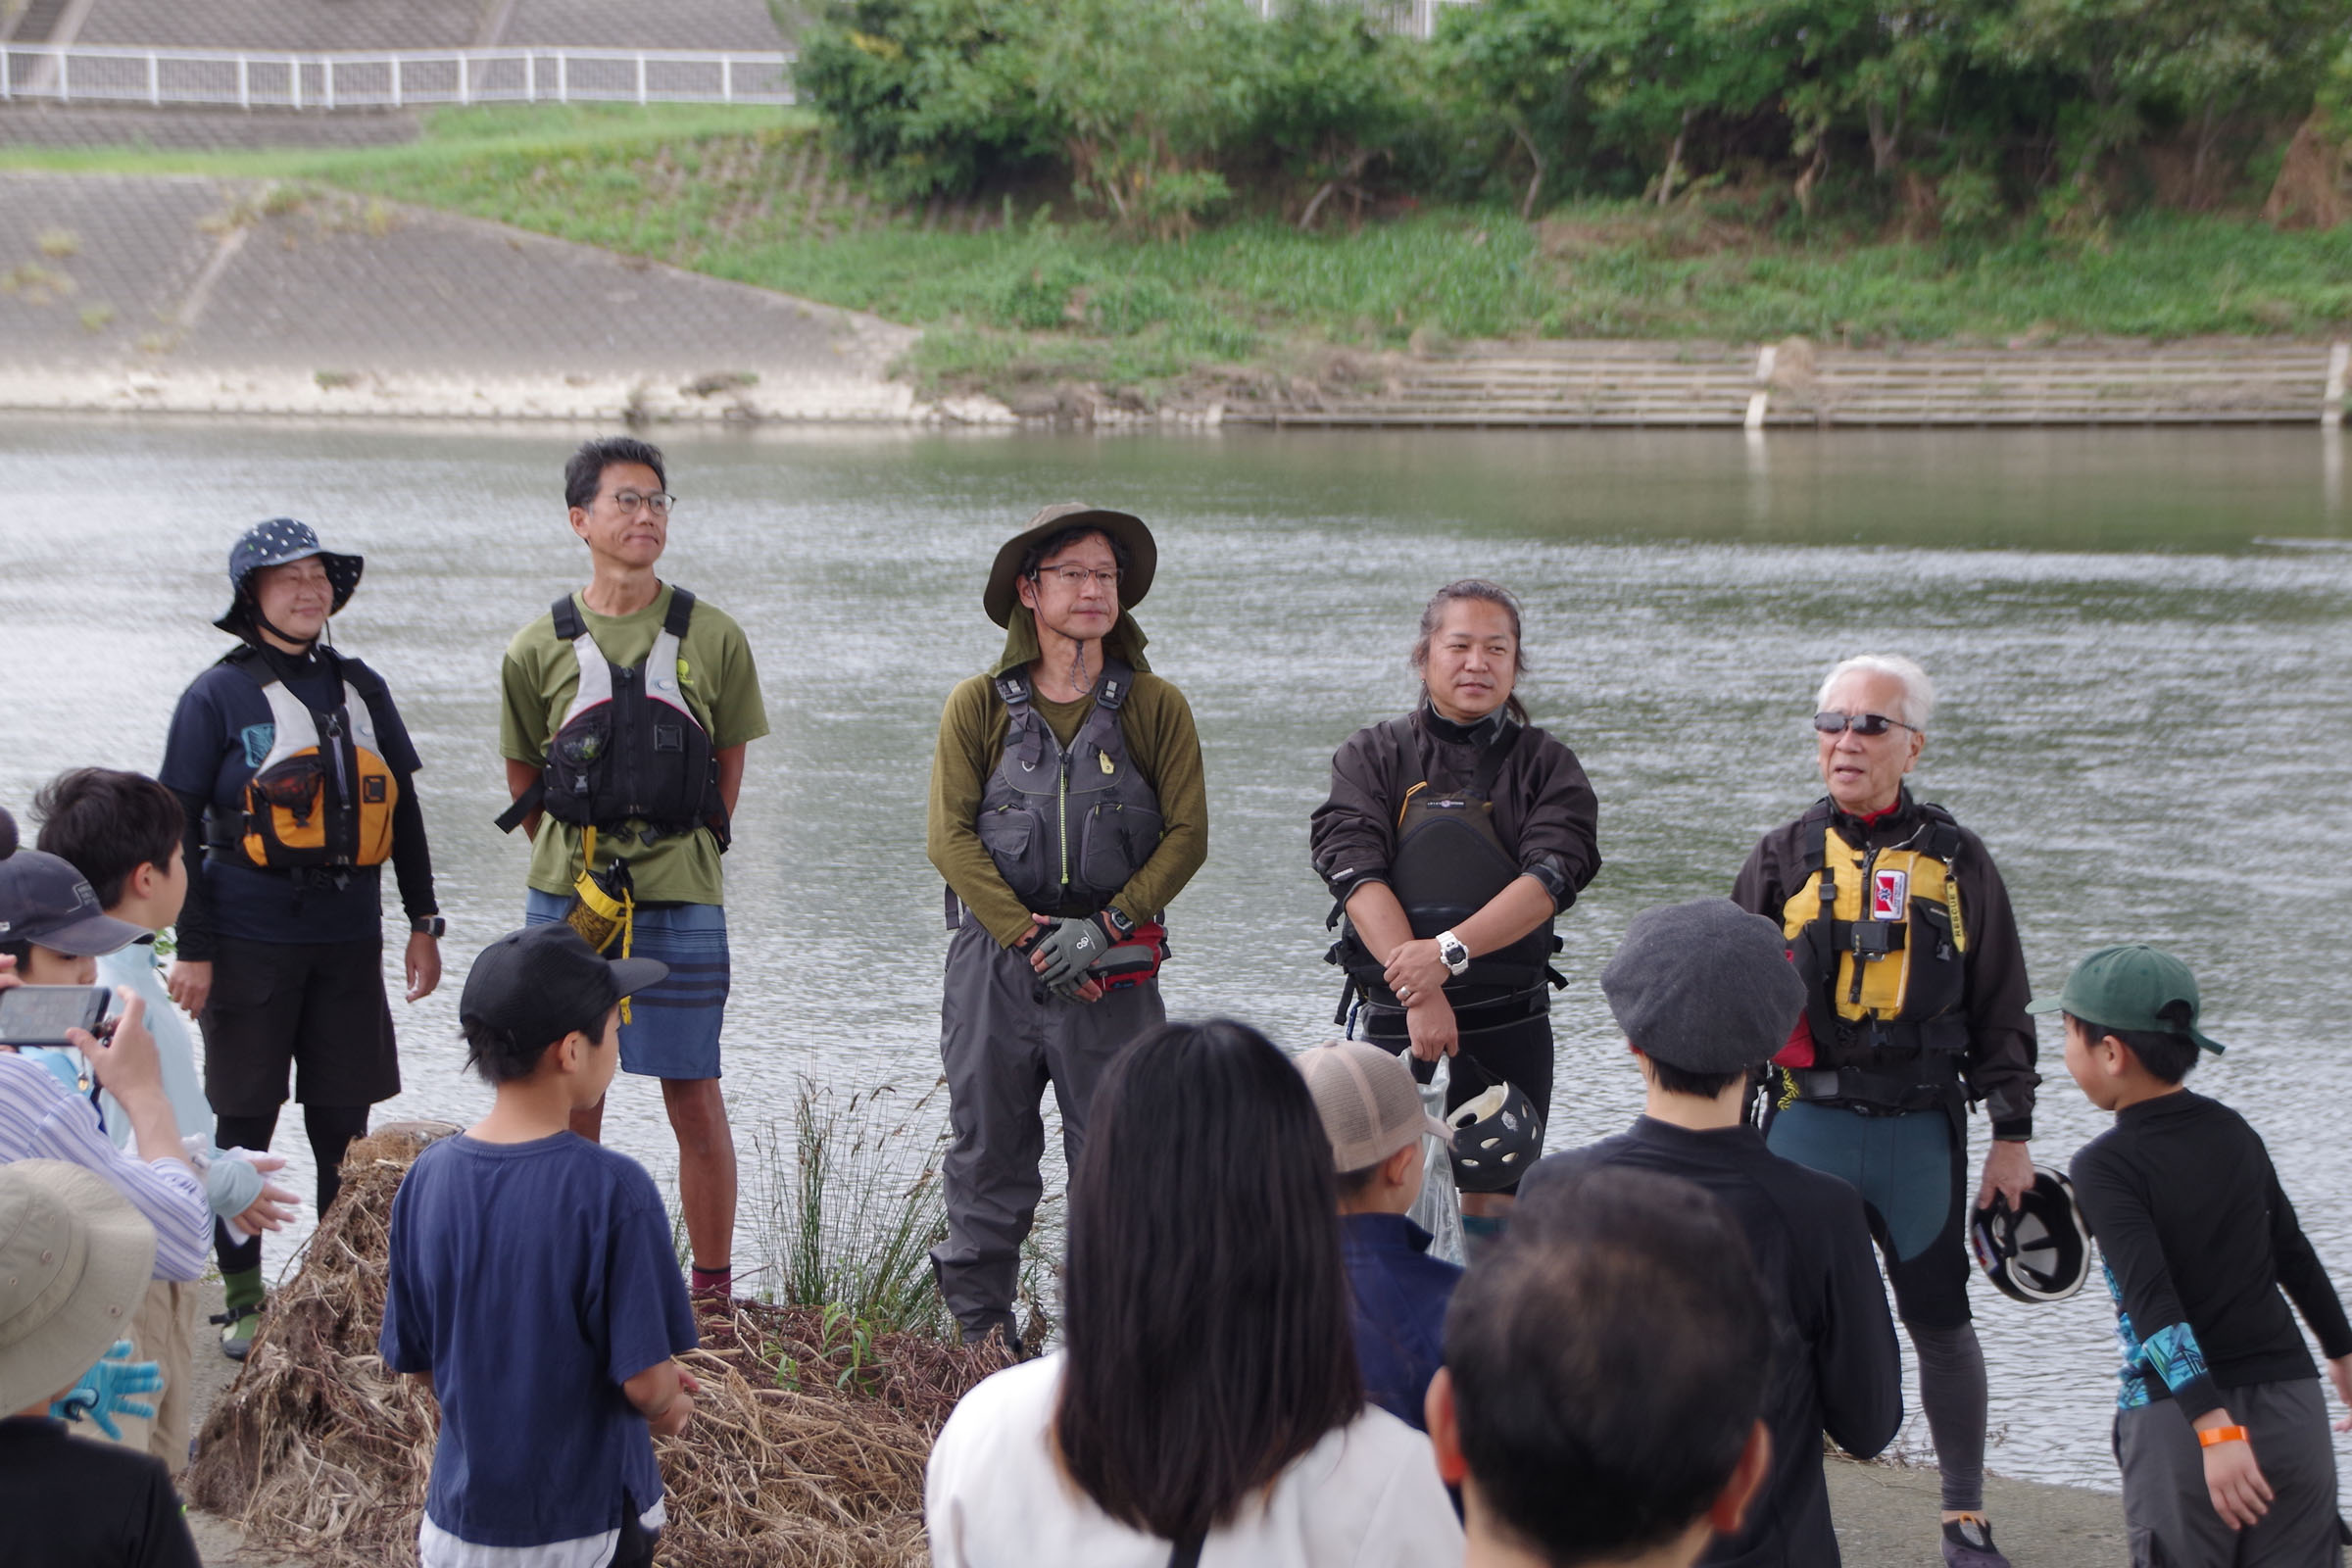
pixel 1704 985
pixel 1705 994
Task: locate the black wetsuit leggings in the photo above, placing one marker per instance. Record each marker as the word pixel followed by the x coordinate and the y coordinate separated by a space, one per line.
pixel 332 1128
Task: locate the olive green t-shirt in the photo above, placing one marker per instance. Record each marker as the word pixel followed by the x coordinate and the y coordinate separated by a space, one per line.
pixel 721 687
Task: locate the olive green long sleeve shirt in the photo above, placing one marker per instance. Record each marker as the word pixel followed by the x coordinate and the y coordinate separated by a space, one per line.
pixel 1156 723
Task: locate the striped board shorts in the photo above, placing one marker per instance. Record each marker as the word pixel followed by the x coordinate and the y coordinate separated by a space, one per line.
pixel 673 1027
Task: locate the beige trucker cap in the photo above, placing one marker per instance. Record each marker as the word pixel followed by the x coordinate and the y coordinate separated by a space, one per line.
pixel 1369 1104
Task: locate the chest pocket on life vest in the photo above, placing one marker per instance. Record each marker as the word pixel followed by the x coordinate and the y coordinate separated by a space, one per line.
pixel 324 795
pixel 1878 935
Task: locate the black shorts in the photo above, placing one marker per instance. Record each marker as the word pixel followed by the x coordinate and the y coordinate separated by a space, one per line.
pixel 317 1008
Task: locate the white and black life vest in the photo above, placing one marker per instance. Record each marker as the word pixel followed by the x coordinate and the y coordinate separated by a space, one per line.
pixel 322 797
pixel 630 749
pixel 1067 828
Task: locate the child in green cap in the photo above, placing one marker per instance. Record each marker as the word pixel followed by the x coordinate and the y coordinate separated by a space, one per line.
pixel 2221 1430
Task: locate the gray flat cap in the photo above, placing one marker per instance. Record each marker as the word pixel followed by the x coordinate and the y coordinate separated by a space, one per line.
pixel 1706 986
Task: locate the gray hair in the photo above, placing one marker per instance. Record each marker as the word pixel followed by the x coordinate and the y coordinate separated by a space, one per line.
pixel 1918 703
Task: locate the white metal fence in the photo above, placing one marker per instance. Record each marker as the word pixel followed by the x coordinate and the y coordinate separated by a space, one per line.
pixel 98 74
pixel 1416 19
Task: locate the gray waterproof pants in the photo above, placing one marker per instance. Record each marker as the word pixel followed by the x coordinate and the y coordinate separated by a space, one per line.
pixel 1002 1038
pixel 2169 1513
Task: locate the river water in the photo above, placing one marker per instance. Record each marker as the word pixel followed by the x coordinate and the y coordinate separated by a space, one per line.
pixel 2144 641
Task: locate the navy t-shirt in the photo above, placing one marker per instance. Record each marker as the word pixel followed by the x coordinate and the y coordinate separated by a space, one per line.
pixel 1401 1295
pixel 532 1280
pixel 220 734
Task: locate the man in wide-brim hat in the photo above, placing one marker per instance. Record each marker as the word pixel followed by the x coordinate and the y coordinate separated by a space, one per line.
pixel 1067 809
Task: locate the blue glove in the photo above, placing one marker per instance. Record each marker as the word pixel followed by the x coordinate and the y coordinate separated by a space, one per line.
pixel 105 1391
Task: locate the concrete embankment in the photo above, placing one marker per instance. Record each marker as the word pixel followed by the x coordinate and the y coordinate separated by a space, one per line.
pixel 1886 1515
pixel 194 295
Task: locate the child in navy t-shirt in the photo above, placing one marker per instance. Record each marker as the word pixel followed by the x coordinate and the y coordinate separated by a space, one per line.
pixel 534 1284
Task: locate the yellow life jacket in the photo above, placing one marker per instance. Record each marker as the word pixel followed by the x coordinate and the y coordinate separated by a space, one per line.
pixel 1880 939
pixel 324 795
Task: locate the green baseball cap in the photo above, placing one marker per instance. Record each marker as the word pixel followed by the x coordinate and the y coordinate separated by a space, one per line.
pixel 2128 987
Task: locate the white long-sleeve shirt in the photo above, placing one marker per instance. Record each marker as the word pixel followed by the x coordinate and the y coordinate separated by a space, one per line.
pixel 1366 1497
pixel 41 1120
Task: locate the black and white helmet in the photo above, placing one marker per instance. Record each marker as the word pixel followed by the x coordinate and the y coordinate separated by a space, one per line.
pixel 2039 1250
pixel 1497 1136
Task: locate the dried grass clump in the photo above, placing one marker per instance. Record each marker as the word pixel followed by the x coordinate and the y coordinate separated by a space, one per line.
pixel 317 1447
pixel 807 1446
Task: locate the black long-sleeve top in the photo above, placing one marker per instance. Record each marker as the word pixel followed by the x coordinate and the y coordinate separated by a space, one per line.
pixel 1836 1368
pixel 1999 1064
pixel 2198 1240
pixel 220 732
pixel 1544 811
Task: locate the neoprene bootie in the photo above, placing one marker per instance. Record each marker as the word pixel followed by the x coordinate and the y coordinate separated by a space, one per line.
pixel 242 1320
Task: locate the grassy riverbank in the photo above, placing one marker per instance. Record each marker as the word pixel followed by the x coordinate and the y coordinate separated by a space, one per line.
pixel 1014 296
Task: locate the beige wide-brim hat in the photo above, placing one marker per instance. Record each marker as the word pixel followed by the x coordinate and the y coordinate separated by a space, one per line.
pixel 1135 578
pixel 75 1260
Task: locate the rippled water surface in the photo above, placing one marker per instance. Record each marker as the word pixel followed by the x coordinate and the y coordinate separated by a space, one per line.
pixel 2144 641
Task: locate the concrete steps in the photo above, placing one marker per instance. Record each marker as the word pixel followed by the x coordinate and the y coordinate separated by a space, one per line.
pixel 1796 384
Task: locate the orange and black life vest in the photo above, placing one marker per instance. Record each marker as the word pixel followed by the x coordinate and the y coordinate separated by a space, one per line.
pixel 322 797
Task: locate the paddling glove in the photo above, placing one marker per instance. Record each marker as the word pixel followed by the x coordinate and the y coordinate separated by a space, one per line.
pixel 105 1390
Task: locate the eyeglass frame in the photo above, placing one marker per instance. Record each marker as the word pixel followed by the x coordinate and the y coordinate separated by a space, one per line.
pixel 1856 722
pixel 658 502
pixel 1074 584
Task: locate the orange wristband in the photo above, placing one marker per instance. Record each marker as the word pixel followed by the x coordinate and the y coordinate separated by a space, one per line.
pixel 2221 1434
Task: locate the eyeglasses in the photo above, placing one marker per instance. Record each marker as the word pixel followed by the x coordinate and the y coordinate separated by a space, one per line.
pixel 1861 724
pixel 1075 578
pixel 656 502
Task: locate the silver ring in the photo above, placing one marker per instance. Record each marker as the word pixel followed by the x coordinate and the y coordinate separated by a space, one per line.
pixel 1404 993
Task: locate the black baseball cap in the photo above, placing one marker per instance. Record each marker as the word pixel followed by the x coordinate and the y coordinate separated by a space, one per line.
pixel 528 980
pixel 44 900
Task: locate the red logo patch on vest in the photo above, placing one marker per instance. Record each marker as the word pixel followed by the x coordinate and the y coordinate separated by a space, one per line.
pixel 1890 895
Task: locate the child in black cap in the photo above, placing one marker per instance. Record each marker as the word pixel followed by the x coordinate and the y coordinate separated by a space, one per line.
pixel 2220 1429
pixel 533 1280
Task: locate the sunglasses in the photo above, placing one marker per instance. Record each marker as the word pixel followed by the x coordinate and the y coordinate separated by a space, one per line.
pixel 1860 723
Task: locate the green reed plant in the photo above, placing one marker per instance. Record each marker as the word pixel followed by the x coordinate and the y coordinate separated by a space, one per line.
pixel 848 1207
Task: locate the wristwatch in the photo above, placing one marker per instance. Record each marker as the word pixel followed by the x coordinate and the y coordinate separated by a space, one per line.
pixel 428 926
pixel 1451 952
pixel 1119 924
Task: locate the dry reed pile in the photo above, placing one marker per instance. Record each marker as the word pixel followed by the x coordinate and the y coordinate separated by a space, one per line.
pixel 806 1450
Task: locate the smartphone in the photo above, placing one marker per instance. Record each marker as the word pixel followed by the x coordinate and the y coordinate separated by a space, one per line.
pixel 40 1015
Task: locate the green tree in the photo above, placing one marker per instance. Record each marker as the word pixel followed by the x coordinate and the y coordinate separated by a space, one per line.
pixel 930 96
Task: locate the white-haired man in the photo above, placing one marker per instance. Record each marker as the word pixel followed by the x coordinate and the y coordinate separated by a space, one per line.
pixel 1900 927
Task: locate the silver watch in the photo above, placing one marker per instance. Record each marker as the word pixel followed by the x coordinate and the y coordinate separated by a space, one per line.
pixel 1451 952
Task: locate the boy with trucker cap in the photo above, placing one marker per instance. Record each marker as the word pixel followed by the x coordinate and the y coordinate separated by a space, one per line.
pixel 1372 1114
pixel 2220 1428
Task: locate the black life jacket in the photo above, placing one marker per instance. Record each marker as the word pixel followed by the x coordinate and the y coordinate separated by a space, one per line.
pixel 1067 828
pixel 1880 941
pixel 1450 863
pixel 322 798
pixel 630 749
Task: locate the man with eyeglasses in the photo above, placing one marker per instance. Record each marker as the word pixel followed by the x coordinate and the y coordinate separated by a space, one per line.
pixel 626 710
pixel 1068 808
pixel 1900 927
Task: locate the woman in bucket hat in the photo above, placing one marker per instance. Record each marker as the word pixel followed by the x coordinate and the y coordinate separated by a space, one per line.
pixel 73 1262
pixel 297 777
